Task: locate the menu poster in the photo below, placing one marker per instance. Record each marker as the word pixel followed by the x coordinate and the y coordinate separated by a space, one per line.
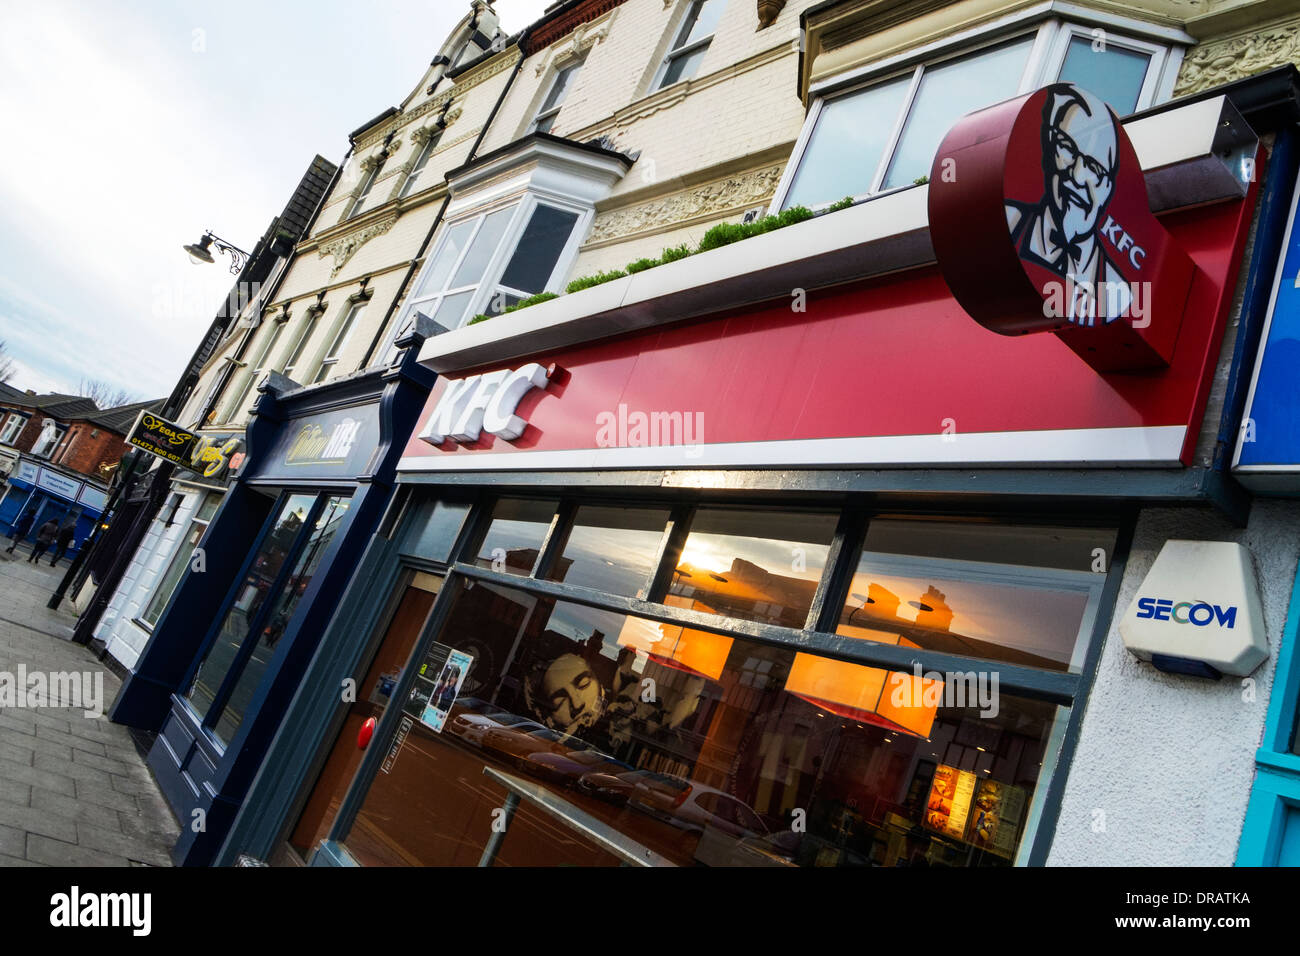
pixel 948 805
pixel 995 816
pixel 437 684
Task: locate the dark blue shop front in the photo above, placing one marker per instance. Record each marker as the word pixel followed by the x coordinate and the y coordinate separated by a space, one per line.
pixel 230 649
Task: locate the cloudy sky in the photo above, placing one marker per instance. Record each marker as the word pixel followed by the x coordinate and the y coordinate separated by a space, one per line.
pixel 133 125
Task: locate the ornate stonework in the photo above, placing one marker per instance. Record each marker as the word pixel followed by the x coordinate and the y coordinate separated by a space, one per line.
pixel 463 85
pixel 1223 60
pixel 344 247
pixel 583 37
pixel 723 196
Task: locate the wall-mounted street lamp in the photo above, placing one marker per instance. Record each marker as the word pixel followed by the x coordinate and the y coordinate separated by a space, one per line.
pixel 199 252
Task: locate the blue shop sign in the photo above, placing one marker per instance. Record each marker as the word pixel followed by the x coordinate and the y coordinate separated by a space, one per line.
pixel 1268 448
pixel 334 444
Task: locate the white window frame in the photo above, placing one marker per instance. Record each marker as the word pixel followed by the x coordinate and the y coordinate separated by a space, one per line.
pixel 1042 67
pixel 676 51
pixel 47 451
pixel 296 355
pixel 367 184
pixel 576 66
pixel 342 332
pixel 420 162
pixel 490 280
pixel 261 367
pixel 9 432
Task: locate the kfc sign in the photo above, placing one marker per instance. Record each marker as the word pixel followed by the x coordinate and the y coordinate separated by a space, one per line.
pixel 1040 223
pixel 487 402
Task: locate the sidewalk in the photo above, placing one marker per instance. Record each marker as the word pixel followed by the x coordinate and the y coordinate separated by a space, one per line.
pixel 74 791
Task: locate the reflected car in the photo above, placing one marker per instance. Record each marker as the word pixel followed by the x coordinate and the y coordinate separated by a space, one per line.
pixel 470 727
pixel 567 769
pixel 694 807
pixel 517 743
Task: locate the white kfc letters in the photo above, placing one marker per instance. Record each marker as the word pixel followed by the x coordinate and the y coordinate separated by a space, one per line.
pixel 483 402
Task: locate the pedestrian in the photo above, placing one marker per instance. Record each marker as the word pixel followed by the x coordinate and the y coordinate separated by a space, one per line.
pixel 21 527
pixel 63 542
pixel 44 538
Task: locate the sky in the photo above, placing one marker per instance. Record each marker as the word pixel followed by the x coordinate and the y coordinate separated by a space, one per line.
pixel 134 126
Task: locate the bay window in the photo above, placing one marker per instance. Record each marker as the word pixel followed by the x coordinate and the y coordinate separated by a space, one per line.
pixel 489 262
pixel 882 135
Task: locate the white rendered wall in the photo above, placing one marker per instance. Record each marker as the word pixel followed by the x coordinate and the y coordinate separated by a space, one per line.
pixel 1165 763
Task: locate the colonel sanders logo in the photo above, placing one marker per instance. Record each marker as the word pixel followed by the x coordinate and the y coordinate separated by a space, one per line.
pixel 1062 231
pixel 1040 222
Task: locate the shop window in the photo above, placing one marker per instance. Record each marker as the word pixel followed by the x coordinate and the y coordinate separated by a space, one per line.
pixel 12 427
pixel 439 523
pixel 340 341
pixel 883 135
pixel 612 549
pixel 691 42
pixel 754 565
pixel 490 262
pixel 181 559
pixel 733 762
pixel 515 535
pixel 1018 595
pixel 276 622
pixel 421 161
pixel 555 97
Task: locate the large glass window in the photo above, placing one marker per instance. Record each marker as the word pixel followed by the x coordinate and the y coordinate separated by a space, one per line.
pixel 773 757
pixel 884 135
pixel 13 425
pixel 612 549
pixel 256 589
pixel 260 367
pixel 182 559
pixel 367 184
pixel 755 565
pixel 691 42
pixel 304 337
pixel 1007 593
pixel 327 526
pixel 515 535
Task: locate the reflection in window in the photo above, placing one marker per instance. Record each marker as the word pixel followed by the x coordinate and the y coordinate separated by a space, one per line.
pixel 977 589
pixel 756 565
pixel 1111 72
pixel 182 558
pixel 253 593
pixel 515 535
pixel 706 768
pixel 277 621
pixel 612 549
pixel 439 522
pixel 692 41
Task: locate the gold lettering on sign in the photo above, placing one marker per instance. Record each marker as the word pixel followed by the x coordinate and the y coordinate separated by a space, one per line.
pixel 314 445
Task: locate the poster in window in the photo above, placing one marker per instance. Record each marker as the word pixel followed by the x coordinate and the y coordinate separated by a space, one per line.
pixel 437 685
pixel 948 806
pixel 995 816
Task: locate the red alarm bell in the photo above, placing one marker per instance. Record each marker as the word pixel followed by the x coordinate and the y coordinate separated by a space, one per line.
pixel 367 731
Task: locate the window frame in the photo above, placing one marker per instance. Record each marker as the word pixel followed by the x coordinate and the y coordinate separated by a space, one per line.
pixel 8 433
pixel 678 49
pixel 294 359
pixel 1067 690
pixel 1046 59
pixel 575 65
pixel 340 335
pixel 486 286
pixel 420 162
pixel 262 366
pixel 367 185
pixel 178 556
